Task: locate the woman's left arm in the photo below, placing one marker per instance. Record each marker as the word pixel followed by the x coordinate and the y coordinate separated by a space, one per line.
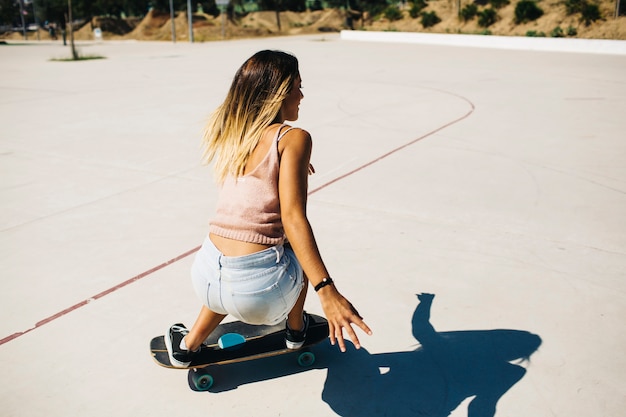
pixel 292 187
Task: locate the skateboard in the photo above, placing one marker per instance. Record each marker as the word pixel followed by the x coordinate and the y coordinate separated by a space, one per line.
pixel 239 342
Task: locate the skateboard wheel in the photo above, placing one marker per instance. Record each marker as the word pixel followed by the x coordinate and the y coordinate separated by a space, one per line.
pixel 306 359
pixel 202 381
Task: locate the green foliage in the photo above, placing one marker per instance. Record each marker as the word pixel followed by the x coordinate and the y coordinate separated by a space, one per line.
pixel 393 13
pixel 315 5
pixel 535 34
pixel 281 5
pixel 55 10
pixel 429 19
pixel 51 10
pixel 469 12
pixel 416 8
pixel 574 6
pixel 498 4
pixel 9 11
pixel 590 13
pixel 485 32
pixel 527 11
pixel 487 17
pixel 373 7
pixel 557 32
pixel 571 31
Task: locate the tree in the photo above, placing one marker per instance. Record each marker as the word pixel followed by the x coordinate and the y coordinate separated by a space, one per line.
pixel 56 10
pixel 71 23
pixel 527 11
pixel 9 12
pixel 487 17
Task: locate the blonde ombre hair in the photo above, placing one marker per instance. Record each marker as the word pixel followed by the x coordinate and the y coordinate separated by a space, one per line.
pixel 252 104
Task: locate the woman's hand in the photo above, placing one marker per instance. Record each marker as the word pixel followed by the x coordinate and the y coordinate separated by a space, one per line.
pixel 341 314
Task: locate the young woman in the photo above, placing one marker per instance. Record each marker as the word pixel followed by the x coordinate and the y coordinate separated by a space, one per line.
pixel 260 253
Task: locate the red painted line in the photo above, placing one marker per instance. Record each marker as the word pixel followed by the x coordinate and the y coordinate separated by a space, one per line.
pixel 406 145
pixel 97 296
pixel 194 250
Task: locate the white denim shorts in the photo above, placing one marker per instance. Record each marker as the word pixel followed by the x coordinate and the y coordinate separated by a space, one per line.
pixel 260 288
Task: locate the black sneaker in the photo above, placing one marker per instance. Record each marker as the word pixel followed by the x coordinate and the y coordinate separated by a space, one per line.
pixel 295 339
pixel 180 358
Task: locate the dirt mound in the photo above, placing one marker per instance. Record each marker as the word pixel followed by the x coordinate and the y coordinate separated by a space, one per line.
pixel 327 21
pixel 150 26
pixel 294 23
pixel 115 26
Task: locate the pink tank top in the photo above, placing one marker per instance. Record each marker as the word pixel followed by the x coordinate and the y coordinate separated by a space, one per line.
pixel 248 207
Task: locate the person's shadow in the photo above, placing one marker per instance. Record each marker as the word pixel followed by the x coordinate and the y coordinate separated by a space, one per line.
pixel 434 379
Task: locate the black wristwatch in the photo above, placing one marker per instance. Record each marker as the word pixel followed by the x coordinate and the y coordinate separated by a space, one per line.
pixel 325 282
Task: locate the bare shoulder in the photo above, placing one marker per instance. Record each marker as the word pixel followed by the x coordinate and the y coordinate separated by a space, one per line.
pixel 296 138
pixel 295 133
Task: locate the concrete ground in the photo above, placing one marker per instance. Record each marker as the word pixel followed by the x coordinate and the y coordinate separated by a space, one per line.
pixel 493 179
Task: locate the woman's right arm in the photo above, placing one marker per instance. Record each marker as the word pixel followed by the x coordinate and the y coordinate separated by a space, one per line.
pixel 292 187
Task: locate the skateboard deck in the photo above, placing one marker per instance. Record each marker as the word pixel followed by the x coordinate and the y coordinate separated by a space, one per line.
pixel 238 342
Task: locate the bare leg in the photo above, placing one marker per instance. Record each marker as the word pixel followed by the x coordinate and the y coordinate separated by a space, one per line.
pixel 206 322
pixel 294 319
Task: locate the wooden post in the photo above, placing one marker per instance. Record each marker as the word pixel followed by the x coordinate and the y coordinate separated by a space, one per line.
pixel 278 6
pixel 173 20
pixel 74 53
pixel 190 20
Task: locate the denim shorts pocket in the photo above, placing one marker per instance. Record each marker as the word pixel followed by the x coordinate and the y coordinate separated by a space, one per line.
pixel 260 306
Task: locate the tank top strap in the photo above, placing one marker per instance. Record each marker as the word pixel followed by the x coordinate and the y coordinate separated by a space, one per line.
pixel 279 134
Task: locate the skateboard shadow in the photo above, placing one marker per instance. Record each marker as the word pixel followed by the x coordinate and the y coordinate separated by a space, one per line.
pixel 448 368
pixel 231 376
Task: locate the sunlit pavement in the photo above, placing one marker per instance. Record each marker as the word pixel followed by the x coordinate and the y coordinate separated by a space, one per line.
pixel 490 182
